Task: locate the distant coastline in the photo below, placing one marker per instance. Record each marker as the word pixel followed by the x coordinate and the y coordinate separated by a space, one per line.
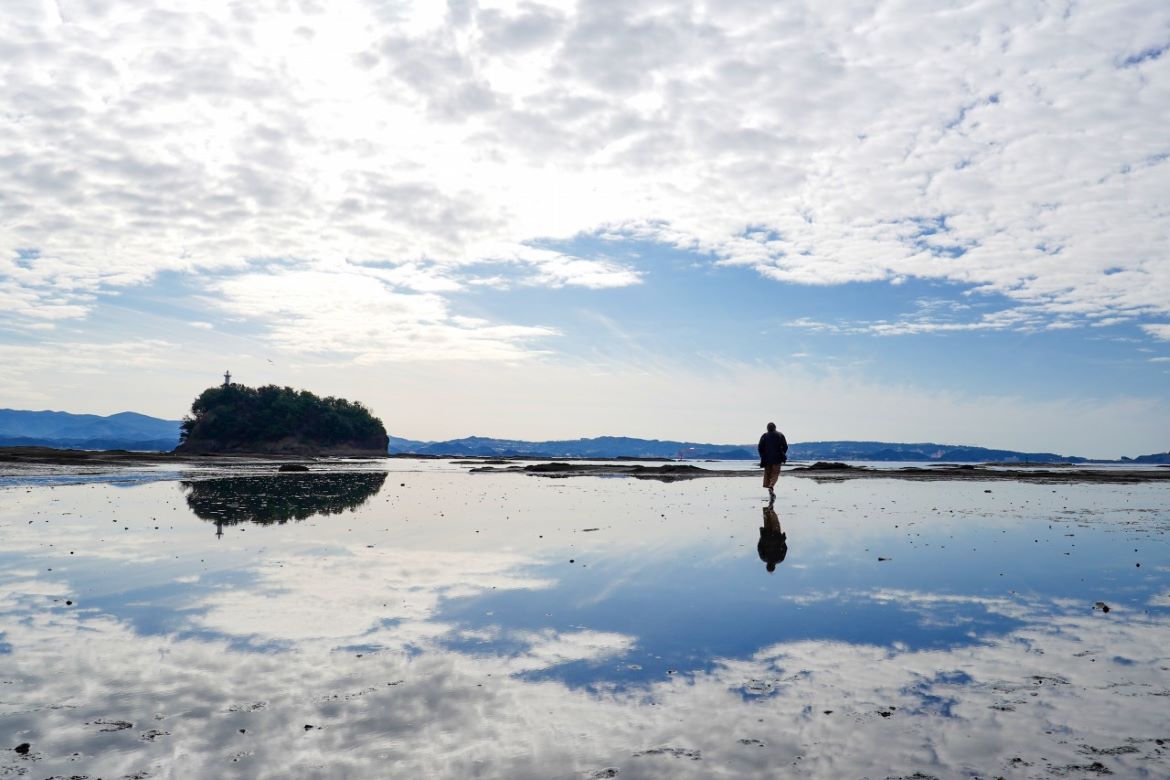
pixel 606 447
pixel 140 433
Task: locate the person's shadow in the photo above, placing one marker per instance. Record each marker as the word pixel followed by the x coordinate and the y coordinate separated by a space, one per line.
pixel 773 545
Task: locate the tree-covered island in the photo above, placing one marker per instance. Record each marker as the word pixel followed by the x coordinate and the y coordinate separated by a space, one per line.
pixel 271 420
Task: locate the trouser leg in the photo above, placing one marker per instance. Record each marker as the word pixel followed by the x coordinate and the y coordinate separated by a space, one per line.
pixel 771 474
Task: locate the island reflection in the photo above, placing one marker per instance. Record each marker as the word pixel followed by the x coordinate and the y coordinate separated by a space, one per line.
pixel 277 499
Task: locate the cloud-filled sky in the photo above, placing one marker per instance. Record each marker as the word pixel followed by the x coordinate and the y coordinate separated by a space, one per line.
pixel 891 220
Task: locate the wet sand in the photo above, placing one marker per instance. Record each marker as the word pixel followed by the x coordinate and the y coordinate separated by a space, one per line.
pixel 414 621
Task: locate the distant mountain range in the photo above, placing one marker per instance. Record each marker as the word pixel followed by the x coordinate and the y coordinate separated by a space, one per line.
pixel 132 431
pixel 123 431
pixel 600 447
pixel 623 447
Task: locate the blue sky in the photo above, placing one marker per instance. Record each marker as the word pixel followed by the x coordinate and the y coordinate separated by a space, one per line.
pixel 546 220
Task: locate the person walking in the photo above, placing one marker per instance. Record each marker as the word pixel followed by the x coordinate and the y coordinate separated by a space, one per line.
pixel 773 452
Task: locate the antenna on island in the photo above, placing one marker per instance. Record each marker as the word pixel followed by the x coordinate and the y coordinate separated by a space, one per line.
pixel 227 378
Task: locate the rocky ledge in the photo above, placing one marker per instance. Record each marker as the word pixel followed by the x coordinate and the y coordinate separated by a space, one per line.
pixel 830 471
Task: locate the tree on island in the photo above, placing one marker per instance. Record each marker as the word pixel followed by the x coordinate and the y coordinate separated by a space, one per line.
pixel 279 420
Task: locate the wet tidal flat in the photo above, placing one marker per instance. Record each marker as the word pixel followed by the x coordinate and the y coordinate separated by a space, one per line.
pixel 426 621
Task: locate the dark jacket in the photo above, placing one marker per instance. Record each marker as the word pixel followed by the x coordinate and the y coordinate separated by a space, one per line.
pixel 773 448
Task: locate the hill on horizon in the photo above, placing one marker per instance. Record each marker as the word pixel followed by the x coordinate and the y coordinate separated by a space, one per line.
pixel 124 430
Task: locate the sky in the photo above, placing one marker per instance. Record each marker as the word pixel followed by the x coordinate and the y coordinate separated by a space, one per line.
pixel 899 221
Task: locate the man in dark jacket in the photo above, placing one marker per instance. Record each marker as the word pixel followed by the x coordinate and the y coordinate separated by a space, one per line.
pixel 773 452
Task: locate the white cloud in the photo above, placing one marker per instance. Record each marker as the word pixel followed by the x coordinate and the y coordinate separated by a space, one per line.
pixel 929 320
pixel 87 357
pixel 353 312
pixel 139 139
pixel 553 269
pixel 1158 331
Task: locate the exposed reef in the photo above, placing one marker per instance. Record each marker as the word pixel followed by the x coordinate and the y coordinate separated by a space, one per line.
pixel 666 473
pixel 18 460
pixel 832 471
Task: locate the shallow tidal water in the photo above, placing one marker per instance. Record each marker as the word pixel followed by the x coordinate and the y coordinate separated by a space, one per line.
pixel 427 622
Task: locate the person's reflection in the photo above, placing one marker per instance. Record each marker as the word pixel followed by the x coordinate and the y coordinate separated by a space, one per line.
pixel 773 544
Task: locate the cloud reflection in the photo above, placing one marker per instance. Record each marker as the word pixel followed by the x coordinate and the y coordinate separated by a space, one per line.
pixel 356 662
pixel 373 596
pixel 1048 696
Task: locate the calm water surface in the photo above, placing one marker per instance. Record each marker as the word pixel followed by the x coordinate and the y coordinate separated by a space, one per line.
pixel 428 622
